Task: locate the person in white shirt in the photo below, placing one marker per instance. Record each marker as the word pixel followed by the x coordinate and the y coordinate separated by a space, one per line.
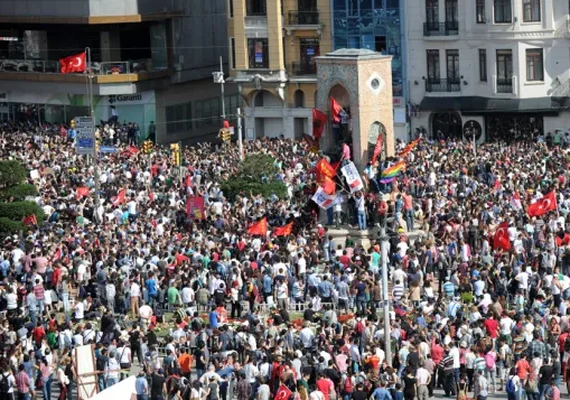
pixel 187 295
pixel 79 310
pixel 307 336
pixel 135 297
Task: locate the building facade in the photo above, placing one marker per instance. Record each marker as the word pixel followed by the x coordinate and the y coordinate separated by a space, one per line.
pixel 143 54
pixel 496 69
pixel 376 25
pixel 272 46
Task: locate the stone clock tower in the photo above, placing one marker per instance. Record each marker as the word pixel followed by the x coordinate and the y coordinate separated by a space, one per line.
pixel 361 81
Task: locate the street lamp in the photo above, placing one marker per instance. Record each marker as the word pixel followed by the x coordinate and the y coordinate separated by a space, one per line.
pixel 219 78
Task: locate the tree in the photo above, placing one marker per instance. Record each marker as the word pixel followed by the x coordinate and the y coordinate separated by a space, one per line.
pixel 13 192
pixel 256 175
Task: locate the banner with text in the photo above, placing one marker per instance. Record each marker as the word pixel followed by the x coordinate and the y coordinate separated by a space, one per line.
pixel 352 177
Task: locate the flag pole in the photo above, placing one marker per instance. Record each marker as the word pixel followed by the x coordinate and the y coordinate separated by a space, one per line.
pixel 90 76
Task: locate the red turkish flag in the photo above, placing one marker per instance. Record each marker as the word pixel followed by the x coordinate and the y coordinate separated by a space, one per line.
pixel 82 192
pixel 71 64
pixel 319 121
pixel 335 109
pixel 328 185
pixel 378 148
pixel 284 230
pixel 259 228
pixel 284 393
pixel 30 220
pixel 119 198
pixel 544 205
pixel 501 239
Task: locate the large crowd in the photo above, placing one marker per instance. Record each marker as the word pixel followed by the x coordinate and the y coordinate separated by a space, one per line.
pixel 207 311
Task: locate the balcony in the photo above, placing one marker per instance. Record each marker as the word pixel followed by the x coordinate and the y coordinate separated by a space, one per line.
pixel 105 72
pixel 302 69
pixel 447 28
pixel 443 86
pixel 504 85
pixel 303 18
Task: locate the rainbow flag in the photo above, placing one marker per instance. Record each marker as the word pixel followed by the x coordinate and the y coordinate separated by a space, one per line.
pixel 392 172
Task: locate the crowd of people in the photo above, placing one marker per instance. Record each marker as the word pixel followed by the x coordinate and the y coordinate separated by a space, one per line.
pixel 207 311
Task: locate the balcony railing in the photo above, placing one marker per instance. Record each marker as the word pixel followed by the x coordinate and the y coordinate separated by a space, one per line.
pixel 504 85
pixel 299 68
pixel 303 18
pixel 447 28
pixel 443 85
pixel 98 68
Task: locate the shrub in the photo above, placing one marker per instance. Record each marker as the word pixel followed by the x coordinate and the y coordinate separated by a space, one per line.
pixel 257 166
pixel 7 226
pixel 18 192
pixel 12 173
pixel 234 187
pixel 18 210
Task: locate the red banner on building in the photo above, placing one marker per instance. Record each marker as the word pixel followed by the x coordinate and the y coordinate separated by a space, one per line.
pixel 195 207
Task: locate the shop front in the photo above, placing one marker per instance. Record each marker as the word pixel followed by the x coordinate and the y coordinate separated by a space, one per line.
pixel 57 108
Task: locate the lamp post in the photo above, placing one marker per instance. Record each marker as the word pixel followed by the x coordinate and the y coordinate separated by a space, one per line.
pixel 96 177
pixel 219 78
pixel 385 295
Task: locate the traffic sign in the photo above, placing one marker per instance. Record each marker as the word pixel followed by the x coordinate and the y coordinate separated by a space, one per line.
pixel 85 138
pixel 107 149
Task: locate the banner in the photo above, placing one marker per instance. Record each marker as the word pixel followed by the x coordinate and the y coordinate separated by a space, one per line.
pixel 195 207
pixel 322 199
pixel 352 177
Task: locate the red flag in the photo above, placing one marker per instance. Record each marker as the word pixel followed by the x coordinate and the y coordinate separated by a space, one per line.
pixel 324 169
pixel 501 239
pixel 378 147
pixel 409 147
pixel 133 149
pixel 30 220
pixel 119 198
pixel 544 205
pixel 284 230
pixel 319 121
pixel 259 228
pixel 335 109
pixel 329 186
pixel 313 145
pixel 563 241
pixel 151 196
pixel 71 64
pixel 57 255
pixel 284 393
pixel 82 192
pixel 188 181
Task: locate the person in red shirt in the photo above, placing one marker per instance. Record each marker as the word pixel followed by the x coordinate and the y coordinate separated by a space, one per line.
pixel 325 385
pixel 344 259
pixel 491 325
pixel 39 333
pixel 523 368
pixel 436 356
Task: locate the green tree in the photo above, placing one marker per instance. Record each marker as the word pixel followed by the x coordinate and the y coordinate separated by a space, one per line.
pixel 13 191
pixel 256 175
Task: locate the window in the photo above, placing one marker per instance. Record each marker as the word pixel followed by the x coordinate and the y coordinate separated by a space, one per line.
pixel 531 10
pixel 503 11
pixel 534 65
pixel 256 8
pixel 432 14
pixel 231 8
pixel 483 65
pixel 451 11
pixel 179 119
pixel 433 66
pixel 232 53
pixel 258 54
pixel 208 111
pixel 452 58
pixel 480 11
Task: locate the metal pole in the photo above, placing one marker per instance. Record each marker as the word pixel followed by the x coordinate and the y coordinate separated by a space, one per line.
pixel 95 153
pixel 386 297
pixel 474 145
pixel 240 139
pixel 223 93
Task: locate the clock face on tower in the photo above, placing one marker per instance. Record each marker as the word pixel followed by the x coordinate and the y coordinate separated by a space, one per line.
pixel 376 84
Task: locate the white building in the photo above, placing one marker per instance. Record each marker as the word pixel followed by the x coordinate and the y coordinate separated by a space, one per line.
pixel 497 67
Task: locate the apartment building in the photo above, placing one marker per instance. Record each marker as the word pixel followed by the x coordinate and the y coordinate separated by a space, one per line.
pixel 496 69
pixel 151 61
pixel 272 46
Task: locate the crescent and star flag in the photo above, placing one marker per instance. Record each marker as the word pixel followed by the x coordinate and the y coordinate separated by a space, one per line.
pixel 335 109
pixel 82 192
pixel 72 64
pixel 542 206
pixel 284 393
pixel 378 148
pixel 501 239
pixel 319 121
pixel 284 230
pixel 259 228
pixel 30 220
pixel 119 198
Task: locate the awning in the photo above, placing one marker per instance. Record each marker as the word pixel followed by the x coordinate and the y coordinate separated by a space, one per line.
pixel 485 105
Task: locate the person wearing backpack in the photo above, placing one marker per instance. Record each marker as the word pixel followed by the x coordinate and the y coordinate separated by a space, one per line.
pixel 7 384
pixel 513 385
